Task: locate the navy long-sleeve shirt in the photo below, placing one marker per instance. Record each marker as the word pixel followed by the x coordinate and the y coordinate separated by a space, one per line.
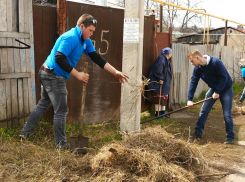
pixel 215 75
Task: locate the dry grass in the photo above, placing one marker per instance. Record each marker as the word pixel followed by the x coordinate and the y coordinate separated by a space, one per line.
pixel 150 155
pixel 159 152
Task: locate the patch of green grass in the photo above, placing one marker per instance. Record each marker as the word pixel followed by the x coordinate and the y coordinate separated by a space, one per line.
pixel 183 104
pixel 200 97
pixel 8 132
pixel 72 130
pixel 237 88
pixel 19 162
pixel 44 162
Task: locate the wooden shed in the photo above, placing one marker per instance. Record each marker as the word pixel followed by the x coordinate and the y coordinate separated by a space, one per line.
pixel 17 77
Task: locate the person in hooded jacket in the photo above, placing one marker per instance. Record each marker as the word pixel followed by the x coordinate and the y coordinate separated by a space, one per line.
pixel 160 77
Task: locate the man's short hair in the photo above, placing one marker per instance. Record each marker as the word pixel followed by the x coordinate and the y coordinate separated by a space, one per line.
pixel 195 53
pixel 87 20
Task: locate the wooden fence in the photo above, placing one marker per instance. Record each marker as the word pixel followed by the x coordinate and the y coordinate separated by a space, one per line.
pixel 17 77
pixel 183 69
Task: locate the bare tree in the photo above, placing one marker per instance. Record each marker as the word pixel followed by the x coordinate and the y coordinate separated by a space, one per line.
pixel 184 20
pixel 148 4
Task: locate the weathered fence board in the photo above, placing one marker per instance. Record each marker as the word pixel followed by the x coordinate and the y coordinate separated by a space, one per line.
pixel 8 100
pixel 3 15
pixel 14 75
pixel 15 35
pixel 3 106
pixel 14 102
pixel 237 72
pixel 12 15
pixel 17 76
pixel 10 56
pixel 4 56
pixel 20 100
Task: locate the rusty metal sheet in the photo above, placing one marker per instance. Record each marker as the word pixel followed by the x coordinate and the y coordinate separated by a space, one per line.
pixel 148 53
pixel 162 40
pixel 103 96
pixel 44 27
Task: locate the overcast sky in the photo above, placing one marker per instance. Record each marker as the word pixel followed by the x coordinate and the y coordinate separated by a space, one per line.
pixel 229 9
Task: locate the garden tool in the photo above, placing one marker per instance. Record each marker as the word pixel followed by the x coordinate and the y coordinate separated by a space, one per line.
pixel 164 115
pixel 159 105
pixel 79 144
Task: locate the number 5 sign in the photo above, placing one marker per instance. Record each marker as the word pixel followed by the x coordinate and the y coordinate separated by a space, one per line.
pixel 102 40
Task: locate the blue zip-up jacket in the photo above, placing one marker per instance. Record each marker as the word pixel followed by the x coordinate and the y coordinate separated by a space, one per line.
pixel 161 70
pixel 215 75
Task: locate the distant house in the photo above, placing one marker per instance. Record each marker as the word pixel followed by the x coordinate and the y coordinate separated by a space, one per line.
pixel 175 35
pixel 235 38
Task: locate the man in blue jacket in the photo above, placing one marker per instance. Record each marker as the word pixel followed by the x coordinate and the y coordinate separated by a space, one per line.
pixel 212 71
pixel 57 68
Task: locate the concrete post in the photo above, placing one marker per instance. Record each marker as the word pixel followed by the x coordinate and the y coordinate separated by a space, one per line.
pixel 132 66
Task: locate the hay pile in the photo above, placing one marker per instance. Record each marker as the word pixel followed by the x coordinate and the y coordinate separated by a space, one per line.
pixel 151 155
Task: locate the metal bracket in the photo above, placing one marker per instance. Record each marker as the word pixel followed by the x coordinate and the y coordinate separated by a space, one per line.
pixel 15 47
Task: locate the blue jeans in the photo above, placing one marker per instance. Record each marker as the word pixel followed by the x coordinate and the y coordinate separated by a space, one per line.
pixel 225 97
pixel 243 95
pixel 53 91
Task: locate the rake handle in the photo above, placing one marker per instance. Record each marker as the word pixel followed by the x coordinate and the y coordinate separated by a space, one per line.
pixel 83 100
pixel 176 110
pixel 160 99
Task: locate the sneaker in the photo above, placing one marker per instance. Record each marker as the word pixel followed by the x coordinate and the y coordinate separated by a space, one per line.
pixel 239 102
pixel 67 147
pixel 24 136
pixel 195 136
pixel 156 114
pixel 229 142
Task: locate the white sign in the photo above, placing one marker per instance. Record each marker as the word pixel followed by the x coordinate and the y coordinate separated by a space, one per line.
pixel 131 30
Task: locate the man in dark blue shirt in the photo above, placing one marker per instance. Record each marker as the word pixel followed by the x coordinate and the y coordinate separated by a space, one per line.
pixel 212 71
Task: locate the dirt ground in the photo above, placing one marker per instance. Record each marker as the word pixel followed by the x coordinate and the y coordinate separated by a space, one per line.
pixel 225 158
pixel 161 144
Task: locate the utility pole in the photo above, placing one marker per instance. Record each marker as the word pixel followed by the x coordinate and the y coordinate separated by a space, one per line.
pixel 132 65
pixel 225 41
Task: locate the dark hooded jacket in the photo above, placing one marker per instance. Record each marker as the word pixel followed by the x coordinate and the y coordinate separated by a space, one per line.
pixel 161 70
